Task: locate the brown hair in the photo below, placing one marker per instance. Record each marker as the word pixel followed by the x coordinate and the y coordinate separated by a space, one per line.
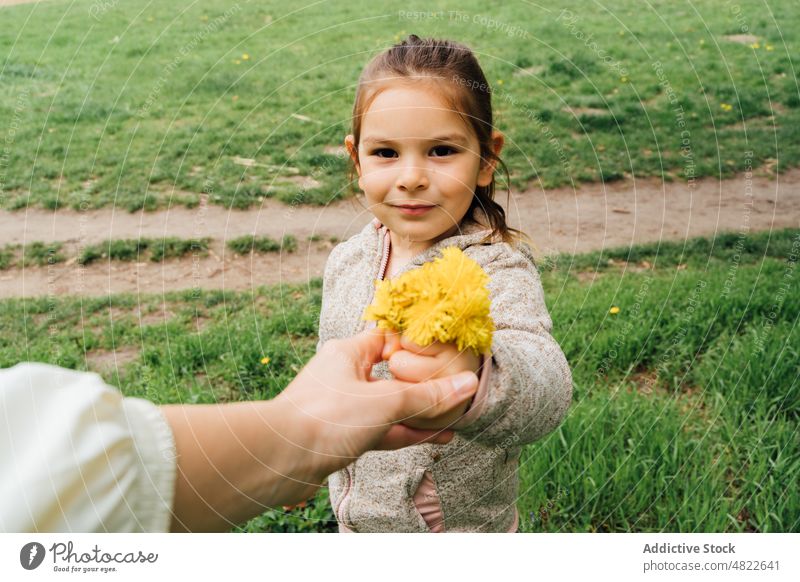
pixel 456 71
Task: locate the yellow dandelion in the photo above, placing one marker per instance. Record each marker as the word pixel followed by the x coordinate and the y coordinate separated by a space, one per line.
pixel 265 360
pixel 445 300
pixel 755 45
pixel 769 47
pixel 614 310
pixel 499 81
pixel 245 57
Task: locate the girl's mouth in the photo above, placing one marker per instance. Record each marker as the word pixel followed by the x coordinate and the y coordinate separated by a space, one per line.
pixel 414 210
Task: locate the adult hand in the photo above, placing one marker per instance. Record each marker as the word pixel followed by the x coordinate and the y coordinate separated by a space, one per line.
pixel 411 362
pixel 353 412
pixel 235 460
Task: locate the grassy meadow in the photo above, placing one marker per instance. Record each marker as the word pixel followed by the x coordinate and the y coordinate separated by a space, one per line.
pixel 141 104
pixel 685 361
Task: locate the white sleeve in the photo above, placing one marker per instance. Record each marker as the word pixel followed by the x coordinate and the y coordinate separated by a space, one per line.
pixel 76 456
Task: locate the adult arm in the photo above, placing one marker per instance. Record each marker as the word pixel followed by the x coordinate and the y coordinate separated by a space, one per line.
pixel 77 456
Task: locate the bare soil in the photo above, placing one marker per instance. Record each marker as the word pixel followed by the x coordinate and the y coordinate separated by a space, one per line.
pixel 593 217
pixel 12 2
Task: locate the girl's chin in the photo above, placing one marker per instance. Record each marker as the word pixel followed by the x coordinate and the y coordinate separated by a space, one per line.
pixel 417 235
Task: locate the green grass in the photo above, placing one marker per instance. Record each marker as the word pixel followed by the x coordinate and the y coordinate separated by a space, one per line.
pixel 41 254
pixel 686 402
pixel 6 258
pixel 174 248
pixel 33 254
pixel 262 244
pixel 150 104
pixel 136 249
pixel 318 238
pixel 699 252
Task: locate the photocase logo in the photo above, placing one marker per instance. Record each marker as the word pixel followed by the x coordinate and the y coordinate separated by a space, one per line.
pixel 31 555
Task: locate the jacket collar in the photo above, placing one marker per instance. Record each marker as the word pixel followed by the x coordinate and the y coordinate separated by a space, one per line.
pixel 471 233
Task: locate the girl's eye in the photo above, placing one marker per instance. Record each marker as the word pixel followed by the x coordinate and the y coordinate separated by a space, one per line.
pixel 443 150
pixel 381 151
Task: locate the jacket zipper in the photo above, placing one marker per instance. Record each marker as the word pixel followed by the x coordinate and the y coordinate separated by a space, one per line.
pixel 385 259
pixel 381 273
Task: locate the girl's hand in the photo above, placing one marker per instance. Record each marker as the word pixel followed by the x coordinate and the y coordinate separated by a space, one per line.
pixel 410 362
pixel 413 363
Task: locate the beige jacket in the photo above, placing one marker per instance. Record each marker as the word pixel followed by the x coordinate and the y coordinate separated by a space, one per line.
pixel 526 396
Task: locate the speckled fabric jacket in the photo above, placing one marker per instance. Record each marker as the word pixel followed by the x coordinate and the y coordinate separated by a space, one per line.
pixel 472 480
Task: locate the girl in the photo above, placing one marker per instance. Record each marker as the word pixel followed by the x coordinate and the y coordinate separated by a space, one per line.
pixel 425 151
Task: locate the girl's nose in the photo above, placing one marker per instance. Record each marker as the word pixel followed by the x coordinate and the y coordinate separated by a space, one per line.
pixel 413 176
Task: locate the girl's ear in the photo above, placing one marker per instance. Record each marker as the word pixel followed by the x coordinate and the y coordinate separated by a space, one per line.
pixel 350 144
pixel 486 172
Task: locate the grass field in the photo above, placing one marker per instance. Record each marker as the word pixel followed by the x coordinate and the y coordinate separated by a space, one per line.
pixel 139 104
pixel 685 362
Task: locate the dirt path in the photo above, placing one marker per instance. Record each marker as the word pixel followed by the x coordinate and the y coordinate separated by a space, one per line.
pixel 562 220
pixel 12 2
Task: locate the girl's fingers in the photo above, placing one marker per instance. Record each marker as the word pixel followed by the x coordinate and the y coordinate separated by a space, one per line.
pixel 430 350
pixel 410 367
pixel 391 345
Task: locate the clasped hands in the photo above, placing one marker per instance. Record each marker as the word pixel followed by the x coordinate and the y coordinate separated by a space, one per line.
pixel 410 362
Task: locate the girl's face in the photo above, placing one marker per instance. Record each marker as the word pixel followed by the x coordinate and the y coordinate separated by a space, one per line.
pixel 418 164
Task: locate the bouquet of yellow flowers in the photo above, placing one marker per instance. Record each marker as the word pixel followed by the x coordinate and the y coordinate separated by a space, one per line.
pixel 445 300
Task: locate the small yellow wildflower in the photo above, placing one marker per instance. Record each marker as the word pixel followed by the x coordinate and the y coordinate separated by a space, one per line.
pixel 623 79
pixel 769 47
pixel 245 57
pixel 265 360
pixel 499 81
pixel 726 106
pixel 445 300
pixel 614 310
pixel 755 45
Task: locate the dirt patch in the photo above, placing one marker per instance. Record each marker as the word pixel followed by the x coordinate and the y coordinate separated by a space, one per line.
pixel 562 220
pixel 530 71
pixel 160 316
pixel 646 381
pixel 741 38
pixel 689 398
pixel 302 182
pixel 105 361
pixel 4 3
pixel 338 150
pixel 220 270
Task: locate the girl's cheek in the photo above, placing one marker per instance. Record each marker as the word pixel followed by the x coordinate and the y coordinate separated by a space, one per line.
pixel 376 183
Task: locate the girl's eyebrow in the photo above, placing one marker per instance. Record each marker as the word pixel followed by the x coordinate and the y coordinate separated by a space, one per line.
pixel 454 138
